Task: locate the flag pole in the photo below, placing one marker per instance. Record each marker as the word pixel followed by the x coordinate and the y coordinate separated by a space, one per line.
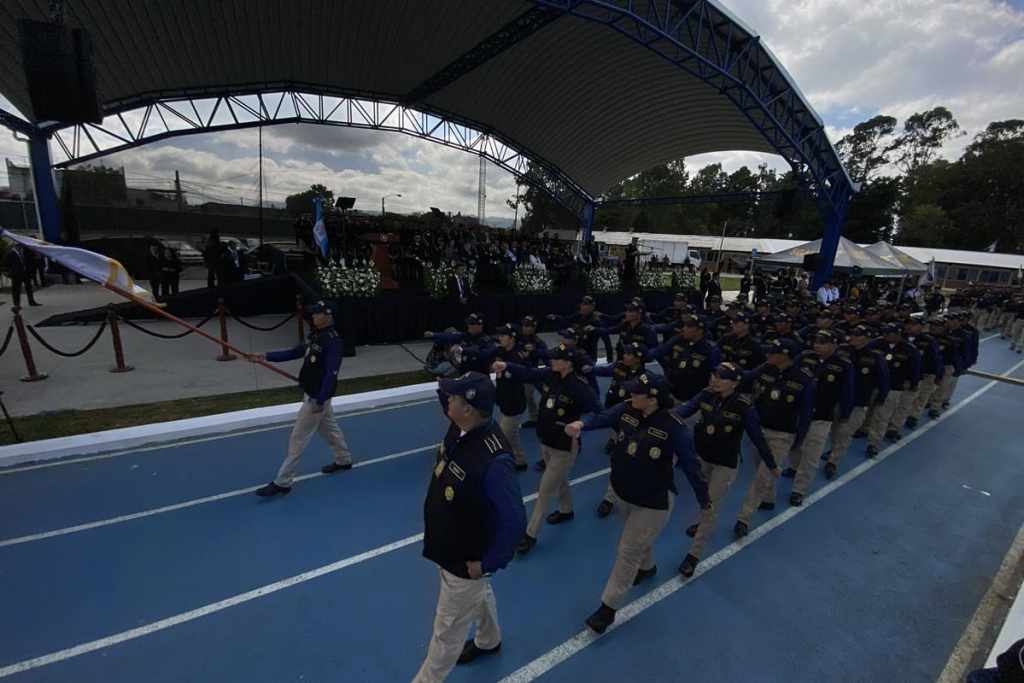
pixel 170 316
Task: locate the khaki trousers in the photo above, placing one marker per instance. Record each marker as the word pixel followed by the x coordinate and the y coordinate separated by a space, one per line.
pixel 509 425
pixel 842 432
pixel 460 604
pixel 640 528
pixel 531 402
pixel 718 478
pixel 306 423
pixel 762 486
pixel 554 482
pixel 808 454
pixel 925 388
pixel 1018 333
pixel 903 410
pixel 943 390
pixel 881 415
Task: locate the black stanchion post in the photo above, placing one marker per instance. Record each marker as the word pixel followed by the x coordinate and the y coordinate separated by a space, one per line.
pixel 26 351
pixel 118 349
pixel 225 353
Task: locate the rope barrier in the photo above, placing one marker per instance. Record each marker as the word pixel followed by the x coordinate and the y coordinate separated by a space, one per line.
pixel 159 335
pixel 257 327
pixel 7 339
pixel 51 349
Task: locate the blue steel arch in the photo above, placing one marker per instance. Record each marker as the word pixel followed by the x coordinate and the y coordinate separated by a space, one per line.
pixel 146 120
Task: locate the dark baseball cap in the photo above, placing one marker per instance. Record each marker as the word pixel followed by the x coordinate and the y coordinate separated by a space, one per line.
pixel 509 330
pixel 529 321
pixel 635 348
pixel 633 306
pixel 860 331
pixel 474 319
pixel 741 317
pixel 679 296
pixel 589 300
pixel 891 328
pixel 569 333
pixel 825 337
pixel 475 387
pixel 727 371
pixel 691 321
pixel 320 307
pixel 561 352
pixel 647 384
pixel 781 346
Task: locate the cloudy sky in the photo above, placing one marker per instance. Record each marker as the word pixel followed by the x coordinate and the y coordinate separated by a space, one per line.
pixel 851 59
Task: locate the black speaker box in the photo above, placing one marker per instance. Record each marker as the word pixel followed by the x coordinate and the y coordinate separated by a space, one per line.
pixel 811 262
pixel 60 72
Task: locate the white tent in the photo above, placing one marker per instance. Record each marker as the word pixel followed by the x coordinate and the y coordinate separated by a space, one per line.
pixel 848 256
pixel 900 259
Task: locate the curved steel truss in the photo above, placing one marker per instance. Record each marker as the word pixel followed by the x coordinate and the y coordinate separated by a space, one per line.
pixel 166 118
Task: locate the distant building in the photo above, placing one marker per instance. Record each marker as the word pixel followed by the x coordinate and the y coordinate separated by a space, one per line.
pixel 19 180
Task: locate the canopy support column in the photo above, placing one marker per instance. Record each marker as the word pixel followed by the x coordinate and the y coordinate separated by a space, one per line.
pixel 47 211
pixel 835 217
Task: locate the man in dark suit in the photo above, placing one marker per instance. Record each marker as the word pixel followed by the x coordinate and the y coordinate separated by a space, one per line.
pixel 17 268
pixel 459 286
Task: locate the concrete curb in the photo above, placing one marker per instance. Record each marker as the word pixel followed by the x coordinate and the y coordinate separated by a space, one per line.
pixel 162 432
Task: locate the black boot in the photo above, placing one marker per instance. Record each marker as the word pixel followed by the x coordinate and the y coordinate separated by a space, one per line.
pixel 272 489
pixel 911 422
pixel 558 517
pixel 871 452
pixel 526 545
pixel 644 574
pixel 893 436
pixel 605 508
pixel 740 529
pixel 688 566
pixel 599 621
pixel 796 499
pixel 789 473
pixel 830 470
pixel 335 467
pixel 766 505
pixel 470 652
pixel 691 530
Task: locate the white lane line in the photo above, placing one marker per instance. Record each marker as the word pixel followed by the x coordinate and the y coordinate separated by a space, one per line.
pixel 585 638
pixel 188 503
pixel 201 439
pixel 233 601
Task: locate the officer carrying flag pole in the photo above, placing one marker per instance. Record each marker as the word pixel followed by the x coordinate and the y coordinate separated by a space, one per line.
pixel 318 379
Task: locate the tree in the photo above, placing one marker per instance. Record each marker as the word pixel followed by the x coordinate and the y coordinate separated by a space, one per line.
pixel 925 225
pixel 867 148
pixel 538 209
pixel 923 135
pixel 302 203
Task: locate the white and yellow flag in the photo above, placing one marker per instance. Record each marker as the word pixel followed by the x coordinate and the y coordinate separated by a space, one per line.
pixel 97 267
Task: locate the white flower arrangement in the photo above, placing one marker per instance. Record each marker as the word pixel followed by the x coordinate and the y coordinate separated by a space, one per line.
pixel 655 279
pixel 685 279
pixel 336 281
pixel 528 280
pixel 436 278
pixel 603 280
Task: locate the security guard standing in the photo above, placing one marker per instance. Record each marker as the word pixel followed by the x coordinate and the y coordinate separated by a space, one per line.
pixel 739 346
pixel 473 516
pixel 565 397
pixel 871 385
pixel 688 359
pixel 904 362
pixel 784 398
pixel 634 355
pixel 833 402
pixel 649 440
pixel 725 414
pixel 318 379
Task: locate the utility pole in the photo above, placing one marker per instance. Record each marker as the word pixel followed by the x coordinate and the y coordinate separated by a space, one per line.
pixel 481 200
pixel 177 192
pixel 261 184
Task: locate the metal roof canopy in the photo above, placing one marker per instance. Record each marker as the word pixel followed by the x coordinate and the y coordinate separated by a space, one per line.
pixel 587 91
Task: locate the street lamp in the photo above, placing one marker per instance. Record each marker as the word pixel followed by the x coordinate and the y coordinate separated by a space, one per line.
pixel 382 201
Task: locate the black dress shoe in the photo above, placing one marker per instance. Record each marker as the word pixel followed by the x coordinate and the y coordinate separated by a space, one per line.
pixel 691 530
pixel 526 545
pixel 521 467
pixel 789 473
pixel 557 517
pixel 605 508
pixel 599 621
pixel 644 574
pixel 540 465
pixel 830 470
pixel 871 452
pixel 688 566
pixel 272 489
pixel 860 434
pixel 333 467
pixel 765 505
pixel 911 422
pixel 470 652
pixel 893 435
pixel 740 529
pixel 933 414
pixel 796 499
pixel 945 404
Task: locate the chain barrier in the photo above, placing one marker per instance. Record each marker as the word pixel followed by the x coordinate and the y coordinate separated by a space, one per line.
pixel 257 327
pixel 7 339
pixel 51 349
pixel 160 335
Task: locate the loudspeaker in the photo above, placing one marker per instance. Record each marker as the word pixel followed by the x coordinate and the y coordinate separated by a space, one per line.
pixel 811 262
pixel 59 71
pixel 345 202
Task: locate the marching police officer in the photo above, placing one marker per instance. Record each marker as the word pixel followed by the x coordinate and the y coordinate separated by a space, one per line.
pixel 634 329
pixel 510 393
pixel 473 517
pixel 931 369
pixel 476 345
pixel 536 346
pixel 739 346
pixel 784 399
pixel 634 355
pixel 904 362
pixel 953 359
pixel 564 397
pixel 833 401
pixel 871 385
pixel 588 326
pixel 688 359
pixel 725 414
pixel 649 440
pixel 318 379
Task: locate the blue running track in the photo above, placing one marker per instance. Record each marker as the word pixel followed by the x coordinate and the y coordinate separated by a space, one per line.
pixel 161 565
